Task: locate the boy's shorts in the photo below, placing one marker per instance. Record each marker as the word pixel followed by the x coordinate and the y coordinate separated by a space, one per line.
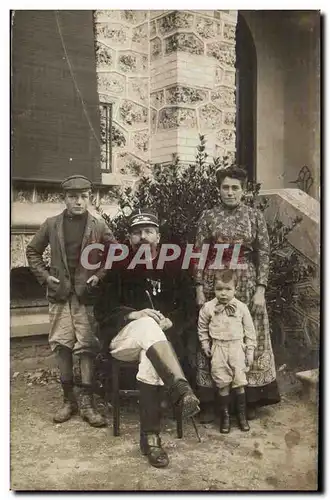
pixel 228 365
pixel 73 325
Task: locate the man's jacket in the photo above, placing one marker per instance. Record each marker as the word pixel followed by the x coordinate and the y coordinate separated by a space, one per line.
pixel 51 232
pixel 123 290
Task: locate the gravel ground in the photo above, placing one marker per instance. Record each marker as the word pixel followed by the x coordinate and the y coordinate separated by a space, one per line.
pixel 279 453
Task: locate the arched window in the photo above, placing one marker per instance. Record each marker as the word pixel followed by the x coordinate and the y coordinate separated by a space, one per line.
pixel 246 97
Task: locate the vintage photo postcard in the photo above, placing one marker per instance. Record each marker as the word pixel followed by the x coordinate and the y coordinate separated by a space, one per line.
pixel 165 250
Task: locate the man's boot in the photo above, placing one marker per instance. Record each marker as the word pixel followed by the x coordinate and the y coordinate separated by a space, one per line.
pixel 150 416
pixel 166 364
pixel 241 412
pixel 69 407
pixel 87 410
pixel 224 414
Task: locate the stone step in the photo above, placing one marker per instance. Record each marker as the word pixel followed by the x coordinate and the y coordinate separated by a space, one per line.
pixel 29 321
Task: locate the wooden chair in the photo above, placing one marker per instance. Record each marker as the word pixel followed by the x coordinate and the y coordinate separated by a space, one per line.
pixel 116 391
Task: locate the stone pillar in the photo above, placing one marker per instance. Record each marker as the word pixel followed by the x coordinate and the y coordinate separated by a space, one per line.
pixel 192 83
pixel 122 62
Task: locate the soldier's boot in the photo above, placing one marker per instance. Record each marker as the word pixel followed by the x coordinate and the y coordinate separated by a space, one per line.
pixel 241 412
pixel 150 416
pixel 69 406
pixel 86 404
pixel 166 364
pixel 224 414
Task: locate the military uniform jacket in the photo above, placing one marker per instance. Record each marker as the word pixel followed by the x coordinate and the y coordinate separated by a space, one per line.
pixel 124 291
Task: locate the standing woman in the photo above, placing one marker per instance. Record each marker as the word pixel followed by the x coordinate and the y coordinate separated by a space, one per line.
pixel 233 222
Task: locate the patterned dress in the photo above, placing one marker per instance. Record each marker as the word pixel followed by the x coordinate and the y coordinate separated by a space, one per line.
pixel 244 225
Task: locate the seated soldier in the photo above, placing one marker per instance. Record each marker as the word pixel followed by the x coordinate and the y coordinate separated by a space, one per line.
pixel 133 327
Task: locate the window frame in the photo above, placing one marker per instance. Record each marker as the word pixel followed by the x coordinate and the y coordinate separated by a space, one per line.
pixel 108 106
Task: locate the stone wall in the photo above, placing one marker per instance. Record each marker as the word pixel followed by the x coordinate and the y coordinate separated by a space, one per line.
pixel 32 204
pixel 170 75
pixel 192 70
pixel 122 62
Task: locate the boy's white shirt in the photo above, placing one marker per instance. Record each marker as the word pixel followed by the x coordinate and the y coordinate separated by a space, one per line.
pixel 244 324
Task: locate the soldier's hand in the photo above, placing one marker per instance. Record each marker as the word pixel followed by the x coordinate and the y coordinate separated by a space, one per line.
pixel 151 313
pixel 93 281
pixel 166 324
pixel 52 281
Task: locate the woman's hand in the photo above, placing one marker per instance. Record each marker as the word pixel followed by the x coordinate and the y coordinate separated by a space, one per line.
pixel 258 300
pixel 200 296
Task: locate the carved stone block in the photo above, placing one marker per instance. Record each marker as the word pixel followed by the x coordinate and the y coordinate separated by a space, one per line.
pixel 185 42
pixel 176 117
pixel 210 117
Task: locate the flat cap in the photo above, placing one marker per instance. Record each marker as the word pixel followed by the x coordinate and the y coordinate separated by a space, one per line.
pixel 76 182
pixel 144 217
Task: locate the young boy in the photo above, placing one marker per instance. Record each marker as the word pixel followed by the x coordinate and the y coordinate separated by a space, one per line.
pixel 70 293
pixel 228 337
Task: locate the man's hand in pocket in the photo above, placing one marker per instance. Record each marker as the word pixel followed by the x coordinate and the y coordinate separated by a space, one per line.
pixel 93 281
pixel 52 282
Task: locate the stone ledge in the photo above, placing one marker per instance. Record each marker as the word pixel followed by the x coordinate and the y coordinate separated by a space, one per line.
pixel 310 384
pixel 26 217
pixel 310 377
pixel 25 322
pixel 285 204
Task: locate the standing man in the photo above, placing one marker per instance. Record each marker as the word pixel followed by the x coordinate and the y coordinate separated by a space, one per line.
pixel 70 291
pixel 138 304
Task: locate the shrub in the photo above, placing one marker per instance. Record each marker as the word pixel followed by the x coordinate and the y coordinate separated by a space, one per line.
pixel 179 194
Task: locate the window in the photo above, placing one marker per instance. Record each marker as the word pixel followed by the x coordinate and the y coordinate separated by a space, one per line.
pixel 106 136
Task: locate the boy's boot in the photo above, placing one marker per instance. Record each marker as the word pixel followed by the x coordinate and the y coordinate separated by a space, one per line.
pixel 241 412
pixel 150 416
pixel 251 412
pixel 87 410
pixel 166 364
pixel 64 360
pixel 69 407
pixel 206 415
pixel 224 414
